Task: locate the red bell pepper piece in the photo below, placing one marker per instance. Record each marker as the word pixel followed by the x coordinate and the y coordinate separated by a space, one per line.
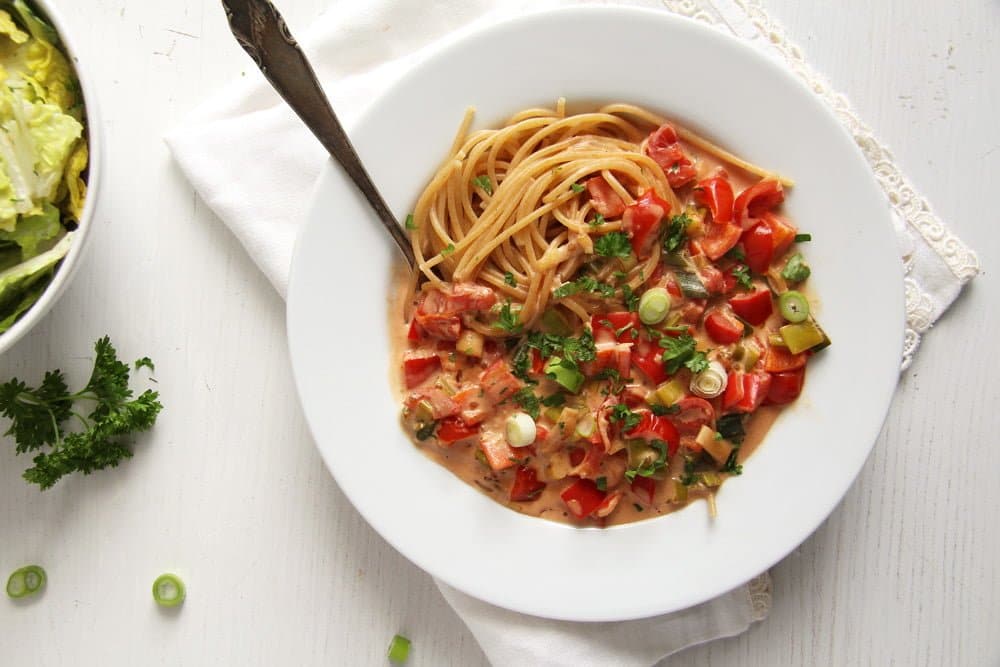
pixel 758 245
pixel 666 151
pixel 654 427
pixel 452 429
pixel 498 382
pixel 526 485
pixel 757 200
pixel 604 198
pixel 582 497
pixel 644 488
pixel 746 391
pixel 779 360
pixel 716 194
pixel 647 356
pixel 419 367
pixel 782 232
pixel 614 327
pixel 642 222
pixel 754 307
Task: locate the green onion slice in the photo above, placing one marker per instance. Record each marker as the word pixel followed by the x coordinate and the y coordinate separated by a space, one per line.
pixel 654 305
pixel 793 306
pixel 399 649
pixel 25 581
pixel 168 590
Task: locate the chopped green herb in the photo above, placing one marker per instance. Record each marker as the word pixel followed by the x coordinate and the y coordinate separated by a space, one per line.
pixel 613 244
pixel 736 253
pixel 631 298
pixel 638 507
pixel 601 483
pixel 742 274
pixel 697 363
pixel 145 362
pixel 677 351
pixel 803 238
pixel 731 466
pixel 676 233
pixel 38 418
pixel 577 188
pixel 484 183
pixel 525 399
pixel 628 419
pixel 796 269
pixel 641 461
pixel 731 427
pixel 583 284
pixel 508 319
pixel 426 430
pixel 598 220
pixel 409 224
pixel 555 400
pixel 448 249
pixel 509 279
pixel 660 410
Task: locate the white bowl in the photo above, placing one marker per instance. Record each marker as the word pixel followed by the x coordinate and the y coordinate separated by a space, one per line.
pixel 95 146
pixel 339 345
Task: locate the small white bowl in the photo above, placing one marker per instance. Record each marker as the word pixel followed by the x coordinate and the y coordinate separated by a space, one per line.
pixel 95 147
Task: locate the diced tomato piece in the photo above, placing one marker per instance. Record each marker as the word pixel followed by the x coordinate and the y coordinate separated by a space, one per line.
pixel 441 403
pixel 716 194
pixel 693 414
pixel 438 313
pixel 526 485
pixel 590 465
pixel 712 279
pixel 537 364
pixel 498 382
pixel 786 386
pixel 667 152
pixel 746 391
pixel 782 232
pixel 642 222
pixel 754 307
pixel 779 360
pixel 655 427
pixel 604 198
pixel 541 433
pixel 758 245
pixel 647 356
pixel 608 505
pixel 615 327
pixel 722 327
pixel 674 289
pixel 417 367
pixel 453 429
pixel 756 200
pixel 582 497
pixel 447 327
pixel 644 489
pixel 498 453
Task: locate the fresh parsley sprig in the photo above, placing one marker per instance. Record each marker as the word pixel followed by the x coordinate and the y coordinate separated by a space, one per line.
pixel 39 415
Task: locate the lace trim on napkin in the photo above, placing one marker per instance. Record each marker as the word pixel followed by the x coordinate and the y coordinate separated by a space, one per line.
pixel 906 202
pixel 759 590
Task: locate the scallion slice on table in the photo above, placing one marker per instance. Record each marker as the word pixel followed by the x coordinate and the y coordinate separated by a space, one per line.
pixel 399 649
pixel 168 590
pixel 25 581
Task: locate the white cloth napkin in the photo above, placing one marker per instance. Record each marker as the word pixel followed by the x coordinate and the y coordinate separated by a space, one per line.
pixel 254 163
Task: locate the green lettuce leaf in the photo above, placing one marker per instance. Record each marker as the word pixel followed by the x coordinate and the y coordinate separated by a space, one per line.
pixel 33 231
pixel 23 284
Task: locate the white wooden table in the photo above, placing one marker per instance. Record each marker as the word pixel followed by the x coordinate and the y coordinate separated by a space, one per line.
pixel 230 492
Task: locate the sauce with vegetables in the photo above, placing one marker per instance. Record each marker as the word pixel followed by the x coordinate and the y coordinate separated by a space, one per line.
pixel 662 354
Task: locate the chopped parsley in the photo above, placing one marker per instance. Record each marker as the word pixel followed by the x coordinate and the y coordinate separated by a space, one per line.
pixel 426 431
pixel 697 363
pixel 660 410
pixel 620 414
pixel 678 351
pixel 484 183
pixel 555 400
pixel 409 224
pixel 648 468
pixel 742 275
pixel 508 319
pixel 509 279
pixel 803 238
pixel 598 220
pixel 583 284
pixel 613 244
pixel 571 351
pixel 631 298
pixel 731 466
pixel 526 399
pixel 601 483
pixel 737 254
pixel 676 233
pixel 731 427
pixel 614 377
pixel 577 188
pixel 448 249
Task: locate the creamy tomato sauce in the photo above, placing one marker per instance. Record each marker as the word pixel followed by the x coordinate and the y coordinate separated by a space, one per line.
pixel 629 419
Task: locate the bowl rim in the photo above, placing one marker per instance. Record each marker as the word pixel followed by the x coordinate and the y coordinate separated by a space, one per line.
pixel 95 147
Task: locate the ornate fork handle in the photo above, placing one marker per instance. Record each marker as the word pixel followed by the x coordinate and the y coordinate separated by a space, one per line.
pixel 263 34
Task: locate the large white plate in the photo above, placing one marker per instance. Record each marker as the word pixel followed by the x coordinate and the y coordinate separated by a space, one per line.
pixel 337 317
